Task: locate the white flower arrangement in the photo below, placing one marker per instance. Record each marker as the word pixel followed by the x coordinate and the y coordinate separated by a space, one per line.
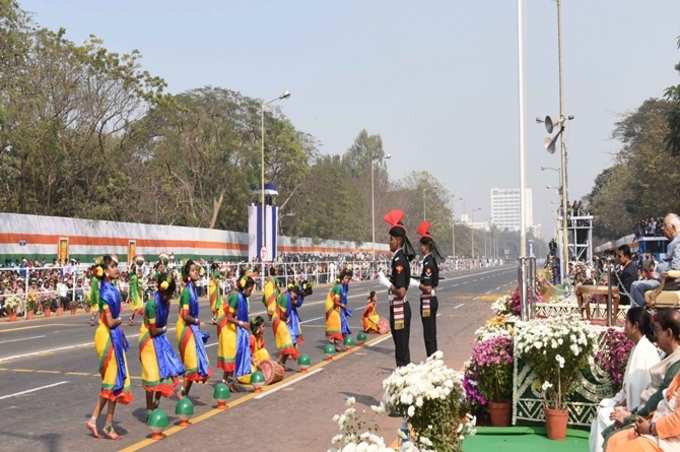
pixel 555 348
pixel 429 395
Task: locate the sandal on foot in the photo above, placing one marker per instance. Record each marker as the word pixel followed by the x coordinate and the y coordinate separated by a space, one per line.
pixel 92 428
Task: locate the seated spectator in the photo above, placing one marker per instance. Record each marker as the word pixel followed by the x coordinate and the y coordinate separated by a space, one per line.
pixel 638 328
pixel 628 273
pixel 667 334
pixel 671 229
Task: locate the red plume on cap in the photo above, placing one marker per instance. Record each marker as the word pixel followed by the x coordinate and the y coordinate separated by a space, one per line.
pixel 424 229
pixel 394 217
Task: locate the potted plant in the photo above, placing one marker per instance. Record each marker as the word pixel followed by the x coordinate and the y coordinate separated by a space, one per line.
pixel 431 398
pixel 555 349
pixel 30 308
pixel 11 305
pixel 492 361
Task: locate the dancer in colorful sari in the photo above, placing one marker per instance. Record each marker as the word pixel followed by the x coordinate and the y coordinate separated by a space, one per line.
pixel 214 296
pixel 190 339
pixel 110 344
pixel 161 367
pixel 370 320
pixel 293 322
pixel 270 293
pixel 96 272
pixel 332 306
pixel 134 295
pixel 282 334
pixel 258 349
pixel 233 332
pixel 345 310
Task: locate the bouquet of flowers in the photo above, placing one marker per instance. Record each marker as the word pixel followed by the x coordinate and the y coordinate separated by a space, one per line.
pixel 613 355
pixel 555 348
pixel 492 361
pixel 12 303
pixel 431 396
pixel 497 325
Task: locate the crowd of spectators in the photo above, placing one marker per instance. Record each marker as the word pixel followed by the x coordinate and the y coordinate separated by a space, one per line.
pixel 38 286
pixel 649 227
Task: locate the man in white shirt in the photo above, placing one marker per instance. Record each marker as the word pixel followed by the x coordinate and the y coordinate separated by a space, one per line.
pixel 643 356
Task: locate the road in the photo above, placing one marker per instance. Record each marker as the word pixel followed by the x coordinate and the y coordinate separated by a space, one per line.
pixel 49 379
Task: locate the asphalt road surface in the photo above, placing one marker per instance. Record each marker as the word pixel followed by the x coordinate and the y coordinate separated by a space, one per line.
pixel 49 380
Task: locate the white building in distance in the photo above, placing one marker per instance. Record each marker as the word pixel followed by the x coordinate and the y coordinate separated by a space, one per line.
pixel 505 208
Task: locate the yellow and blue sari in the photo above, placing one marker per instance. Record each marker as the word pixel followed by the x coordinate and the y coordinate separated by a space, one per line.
pixel 233 353
pixel 284 341
pixel 111 345
pixel 332 307
pixel 345 310
pixel 190 338
pixel 161 367
pixel 293 321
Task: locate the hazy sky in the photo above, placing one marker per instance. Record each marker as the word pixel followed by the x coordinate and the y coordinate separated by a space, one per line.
pixel 436 79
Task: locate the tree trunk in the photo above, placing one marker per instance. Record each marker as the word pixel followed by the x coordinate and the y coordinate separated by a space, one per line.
pixel 217 204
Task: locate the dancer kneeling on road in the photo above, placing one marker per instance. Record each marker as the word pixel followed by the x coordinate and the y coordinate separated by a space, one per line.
pixel 371 321
pixel 161 367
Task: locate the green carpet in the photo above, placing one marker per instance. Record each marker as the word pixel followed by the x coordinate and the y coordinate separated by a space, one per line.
pixel 523 439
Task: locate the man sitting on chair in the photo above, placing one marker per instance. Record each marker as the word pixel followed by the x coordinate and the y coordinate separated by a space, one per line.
pixel 671 229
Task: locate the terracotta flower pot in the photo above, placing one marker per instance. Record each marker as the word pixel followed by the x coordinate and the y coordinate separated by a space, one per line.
pixel 13 317
pixel 47 312
pixel 73 310
pixel 29 315
pixel 556 423
pixel 500 413
pixel 60 310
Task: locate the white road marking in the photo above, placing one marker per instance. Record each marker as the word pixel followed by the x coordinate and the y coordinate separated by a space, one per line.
pixel 211 345
pixel 372 344
pixel 21 339
pixel 459 306
pixel 312 320
pixel 33 390
pixel 285 385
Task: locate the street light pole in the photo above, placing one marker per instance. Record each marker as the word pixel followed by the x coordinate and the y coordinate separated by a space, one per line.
pixel 563 148
pixel 522 131
pixel 263 235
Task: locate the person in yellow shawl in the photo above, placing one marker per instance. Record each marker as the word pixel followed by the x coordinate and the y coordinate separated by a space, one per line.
pixel 161 367
pixel 270 292
pixel 233 332
pixel 332 306
pixel 134 294
pixel 110 344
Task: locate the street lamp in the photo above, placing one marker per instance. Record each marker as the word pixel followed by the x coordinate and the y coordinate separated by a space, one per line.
pixel 285 95
pixel 373 160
